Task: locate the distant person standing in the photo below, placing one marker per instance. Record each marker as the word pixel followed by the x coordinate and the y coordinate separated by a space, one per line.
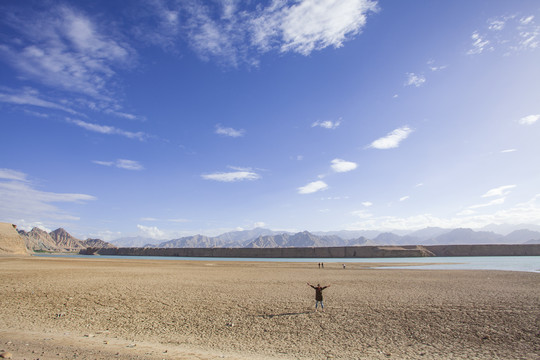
pixel 318 295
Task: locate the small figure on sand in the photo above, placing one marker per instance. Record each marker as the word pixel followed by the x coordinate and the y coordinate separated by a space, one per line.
pixel 318 295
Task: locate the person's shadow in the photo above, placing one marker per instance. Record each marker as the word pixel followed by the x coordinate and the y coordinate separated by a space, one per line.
pixel 270 316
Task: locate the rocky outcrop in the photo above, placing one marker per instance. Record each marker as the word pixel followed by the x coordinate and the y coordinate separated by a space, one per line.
pixel 11 243
pixel 65 241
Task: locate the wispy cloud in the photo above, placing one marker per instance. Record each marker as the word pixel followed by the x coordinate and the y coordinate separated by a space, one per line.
pixel 225 131
pixel 9 174
pixel 65 49
pixel 122 164
pixel 498 201
pixel 22 202
pixel 313 187
pixel 403 198
pixel 237 34
pixel 108 130
pixel 31 97
pixel 240 174
pixel 479 44
pixel 508 33
pixel 433 67
pixel 339 165
pixel 367 203
pixel 508 151
pixel 416 80
pixel 393 139
pixel 327 124
pixel 529 119
pixel 499 191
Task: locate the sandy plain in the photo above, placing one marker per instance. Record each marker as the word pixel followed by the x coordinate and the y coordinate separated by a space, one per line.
pixel 94 308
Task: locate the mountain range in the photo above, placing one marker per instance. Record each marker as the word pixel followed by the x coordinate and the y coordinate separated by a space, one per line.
pixel 265 238
pixel 61 240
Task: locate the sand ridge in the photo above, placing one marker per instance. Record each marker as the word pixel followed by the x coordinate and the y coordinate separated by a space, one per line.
pixel 241 310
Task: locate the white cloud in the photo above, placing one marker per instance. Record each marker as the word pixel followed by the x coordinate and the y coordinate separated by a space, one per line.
pixel 259 224
pixel 233 176
pixel 479 44
pixel 508 151
pixel 30 97
pixel 65 49
pixel 313 187
pixel 511 34
pixel 526 20
pixel 229 131
pixel 362 214
pixel 416 80
pixel 403 198
pixel 529 119
pixel 367 203
pixel 151 232
pixel 500 191
pixel 328 124
pixel 491 203
pixel 497 25
pixel 128 164
pixel 315 25
pixel 9 174
pixel 393 139
pixel 523 213
pixel 108 130
pixel 21 202
pixel 339 165
pixel 235 34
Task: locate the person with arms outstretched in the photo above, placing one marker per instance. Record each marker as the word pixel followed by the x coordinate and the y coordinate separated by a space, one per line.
pixel 318 295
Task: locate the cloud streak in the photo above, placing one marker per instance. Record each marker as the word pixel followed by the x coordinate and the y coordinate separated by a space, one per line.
pixel 121 164
pixel 108 130
pixel 20 201
pixel 313 187
pixel 220 130
pixel 327 124
pixel 233 176
pixel 392 140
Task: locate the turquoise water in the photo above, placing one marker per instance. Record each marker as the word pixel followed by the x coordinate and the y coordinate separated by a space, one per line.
pixel 506 263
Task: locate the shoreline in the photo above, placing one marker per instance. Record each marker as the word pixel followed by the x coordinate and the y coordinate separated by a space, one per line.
pixel 241 310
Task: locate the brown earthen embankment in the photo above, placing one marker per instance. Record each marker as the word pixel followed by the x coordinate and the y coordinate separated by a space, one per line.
pixel 331 252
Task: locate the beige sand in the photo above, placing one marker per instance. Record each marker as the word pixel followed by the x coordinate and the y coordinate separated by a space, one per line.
pixel 11 243
pixel 137 309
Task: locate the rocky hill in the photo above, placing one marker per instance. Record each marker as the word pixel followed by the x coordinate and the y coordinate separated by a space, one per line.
pixel 58 240
pixel 64 240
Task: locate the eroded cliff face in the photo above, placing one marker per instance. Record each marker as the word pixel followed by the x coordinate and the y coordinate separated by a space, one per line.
pixel 11 243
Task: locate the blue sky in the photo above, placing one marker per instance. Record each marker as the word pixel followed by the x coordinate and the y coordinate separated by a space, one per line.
pixel 170 118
